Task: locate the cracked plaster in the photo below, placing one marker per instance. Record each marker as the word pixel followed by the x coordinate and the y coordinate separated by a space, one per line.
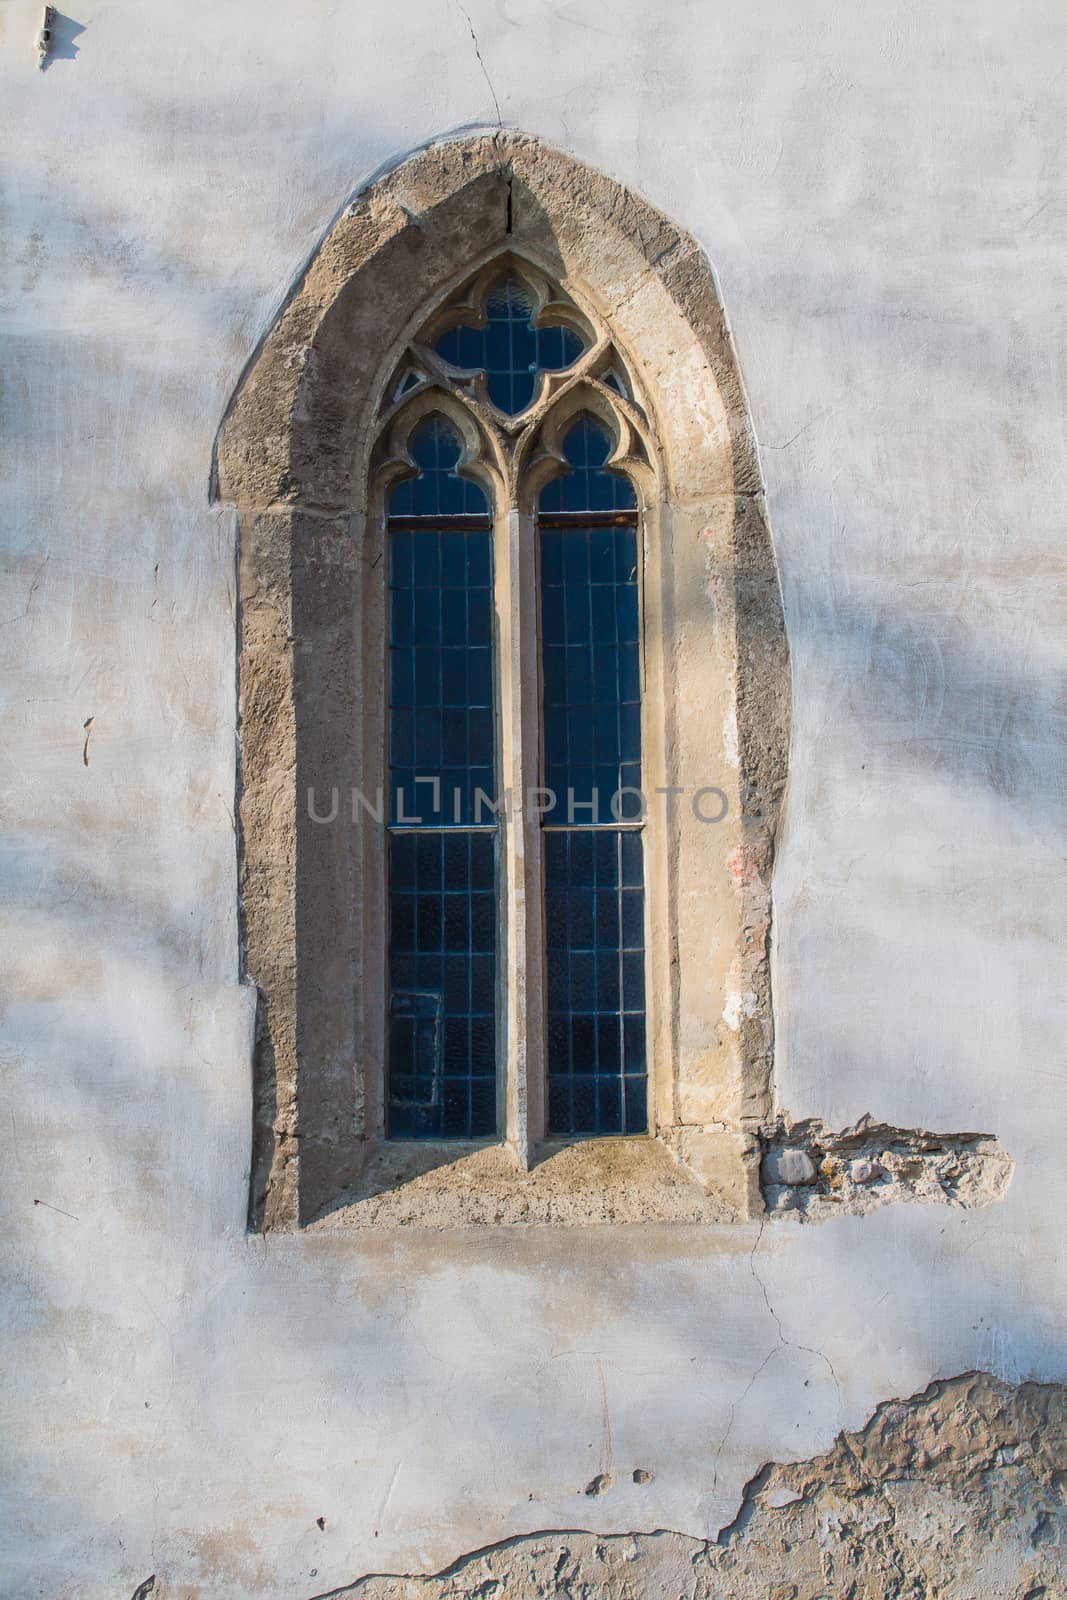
pixel 956 1492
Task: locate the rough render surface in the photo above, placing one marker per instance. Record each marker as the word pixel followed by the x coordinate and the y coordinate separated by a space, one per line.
pixel 959 1493
pixel 880 191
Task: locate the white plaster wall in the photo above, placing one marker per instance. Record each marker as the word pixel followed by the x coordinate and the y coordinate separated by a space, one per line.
pixel 877 187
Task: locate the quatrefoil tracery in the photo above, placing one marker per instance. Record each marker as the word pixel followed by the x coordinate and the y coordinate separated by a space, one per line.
pixel 512 346
pixel 536 363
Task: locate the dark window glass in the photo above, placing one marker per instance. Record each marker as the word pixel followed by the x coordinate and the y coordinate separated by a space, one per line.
pixel 442 1006
pixel 441 717
pixel 442 873
pixel 510 350
pixel 590 649
pixel 435 448
pixel 588 486
pixel 594 907
pixel 591 721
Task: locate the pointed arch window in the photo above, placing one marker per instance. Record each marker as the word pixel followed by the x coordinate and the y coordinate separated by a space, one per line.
pixel 558 439
pixel 510 460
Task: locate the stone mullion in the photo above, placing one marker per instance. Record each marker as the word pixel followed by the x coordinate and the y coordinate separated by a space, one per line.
pixel 521 977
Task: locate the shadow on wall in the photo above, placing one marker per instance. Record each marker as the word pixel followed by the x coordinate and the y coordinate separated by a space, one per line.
pixel 62 47
pixel 931 780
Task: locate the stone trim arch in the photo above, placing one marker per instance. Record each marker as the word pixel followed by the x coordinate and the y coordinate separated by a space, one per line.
pixel 293 456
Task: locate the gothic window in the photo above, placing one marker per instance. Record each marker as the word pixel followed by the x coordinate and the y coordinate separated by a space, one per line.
pixel 513 713
pixel 514 575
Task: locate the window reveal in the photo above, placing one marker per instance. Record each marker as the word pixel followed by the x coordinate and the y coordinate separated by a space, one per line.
pixel 319 433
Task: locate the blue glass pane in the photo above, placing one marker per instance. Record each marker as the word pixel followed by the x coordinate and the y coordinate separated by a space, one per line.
pixel 588 486
pixel 509 349
pixel 435 448
pixel 442 983
pixel 594 912
pixel 591 677
pixel 441 714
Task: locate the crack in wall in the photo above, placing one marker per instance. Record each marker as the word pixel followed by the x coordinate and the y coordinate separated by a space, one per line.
pixel 783 1343
pixel 481 63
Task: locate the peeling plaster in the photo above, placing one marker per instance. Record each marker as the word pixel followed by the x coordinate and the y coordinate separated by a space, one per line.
pixel 956 1491
pixel 812 1173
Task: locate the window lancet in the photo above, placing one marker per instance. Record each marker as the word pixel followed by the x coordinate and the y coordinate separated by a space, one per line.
pixel 441 860
pixel 590 561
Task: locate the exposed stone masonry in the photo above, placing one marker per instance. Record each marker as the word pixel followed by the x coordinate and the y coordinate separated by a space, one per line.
pixel 803 1171
pixel 812 1173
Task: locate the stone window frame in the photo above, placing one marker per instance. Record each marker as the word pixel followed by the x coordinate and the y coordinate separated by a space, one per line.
pixel 293 458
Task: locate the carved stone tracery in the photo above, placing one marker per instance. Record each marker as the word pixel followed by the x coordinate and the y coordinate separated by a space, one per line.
pixel 513 455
